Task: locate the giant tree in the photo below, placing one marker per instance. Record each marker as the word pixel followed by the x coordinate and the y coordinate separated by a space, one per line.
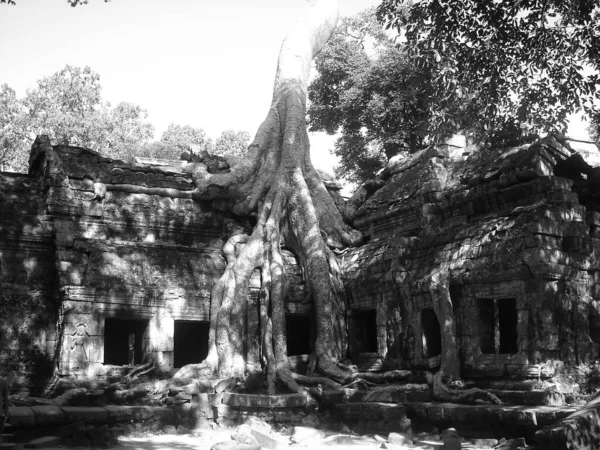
pixel 277 183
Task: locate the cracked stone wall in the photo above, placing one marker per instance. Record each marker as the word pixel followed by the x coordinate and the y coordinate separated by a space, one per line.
pixel 517 232
pixel 86 239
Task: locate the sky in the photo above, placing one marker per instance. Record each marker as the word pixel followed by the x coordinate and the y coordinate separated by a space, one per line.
pixel 205 63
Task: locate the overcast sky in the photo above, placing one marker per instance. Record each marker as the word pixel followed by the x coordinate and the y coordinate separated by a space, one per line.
pixel 205 63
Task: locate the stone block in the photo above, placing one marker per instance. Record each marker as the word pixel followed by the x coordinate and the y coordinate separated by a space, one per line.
pixel 22 416
pixel 47 415
pixel 119 413
pixel 87 414
pixel 399 438
pixel 393 412
pixel 163 415
pixel 141 413
pixel 264 401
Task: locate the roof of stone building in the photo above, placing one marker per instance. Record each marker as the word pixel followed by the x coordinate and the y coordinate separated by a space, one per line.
pixel 481 215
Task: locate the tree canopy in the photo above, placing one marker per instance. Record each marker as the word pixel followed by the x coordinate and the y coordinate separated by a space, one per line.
pixel 527 64
pixel 232 142
pixel 68 107
pixel 368 89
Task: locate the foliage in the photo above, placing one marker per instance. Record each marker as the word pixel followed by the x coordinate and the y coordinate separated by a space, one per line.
pixel 181 138
pixel 11 113
pixel 372 92
pixel 234 143
pixel 68 107
pixel 526 64
pixel 125 131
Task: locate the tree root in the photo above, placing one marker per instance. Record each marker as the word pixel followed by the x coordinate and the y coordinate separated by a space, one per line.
pixel 443 393
pixel 139 371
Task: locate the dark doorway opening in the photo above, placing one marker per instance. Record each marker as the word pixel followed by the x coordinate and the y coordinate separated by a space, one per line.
pixel 431 333
pixel 507 325
pixel 190 342
pixel 498 326
pixel 487 325
pixel 298 329
pixel 123 341
pixel 365 331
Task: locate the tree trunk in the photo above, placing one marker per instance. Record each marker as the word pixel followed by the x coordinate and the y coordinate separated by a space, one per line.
pixel 278 183
pixel 449 372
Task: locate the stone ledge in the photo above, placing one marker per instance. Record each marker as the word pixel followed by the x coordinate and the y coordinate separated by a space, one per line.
pixel 49 415
pixel 263 401
pixel 529 417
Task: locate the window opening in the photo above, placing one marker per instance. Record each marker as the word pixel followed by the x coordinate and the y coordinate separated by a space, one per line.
pixel 431 333
pixel 123 341
pixel 498 326
pixel 190 342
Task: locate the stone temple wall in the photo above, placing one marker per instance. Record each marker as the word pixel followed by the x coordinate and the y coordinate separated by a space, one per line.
pixel 517 233
pixel 105 265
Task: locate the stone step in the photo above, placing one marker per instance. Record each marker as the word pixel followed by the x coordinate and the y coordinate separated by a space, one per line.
pixel 532 397
pixel 504 420
pixel 372 411
pixel 409 392
pixel 367 417
pixel 7 445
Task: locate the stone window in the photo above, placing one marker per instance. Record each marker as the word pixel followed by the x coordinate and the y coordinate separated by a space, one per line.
pixel 365 331
pixel 498 326
pixel 430 333
pixel 123 341
pixel 298 329
pixel 190 342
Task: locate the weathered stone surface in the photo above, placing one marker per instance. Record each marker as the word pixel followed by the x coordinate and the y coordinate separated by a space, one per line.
pixel 47 415
pixel 22 416
pixel 87 415
pixel 264 401
pixel 269 441
pixel 42 442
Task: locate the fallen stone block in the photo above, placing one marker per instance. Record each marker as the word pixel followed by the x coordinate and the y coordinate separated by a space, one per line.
pixel 243 435
pixel 302 434
pixel 451 439
pixel 399 438
pixel 259 425
pixel 269 441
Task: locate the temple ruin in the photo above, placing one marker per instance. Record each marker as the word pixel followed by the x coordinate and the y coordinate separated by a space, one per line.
pixel 105 265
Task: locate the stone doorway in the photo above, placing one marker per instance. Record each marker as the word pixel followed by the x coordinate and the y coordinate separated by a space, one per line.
pixel 298 331
pixel 364 324
pixel 190 342
pixel 123 341
pixel 430 333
